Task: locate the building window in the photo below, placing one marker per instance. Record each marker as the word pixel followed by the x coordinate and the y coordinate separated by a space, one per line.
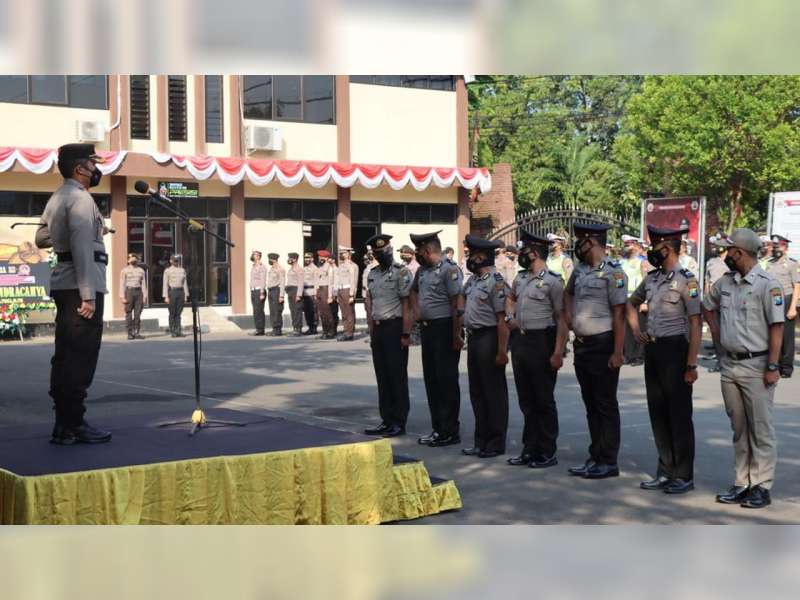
pixel 29 204
pixel 140 107
pixel 257 209
pixel 443 213
pixel 77 91
pixel 177 108
pixel 214 127
pixel 365 212
pixel 425 82
pixel 287 210
pixel 375 212
pixel 393 213
pixel 319 210
pixel 305 99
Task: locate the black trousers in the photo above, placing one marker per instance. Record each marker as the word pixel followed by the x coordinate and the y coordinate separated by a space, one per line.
pixel 787 347
pixel 488 391
pixel 75 360
pixel 133 309
pixel 275 308
pixel 176 301
pixel 335 312
pixel 536 383
pixel 440 372
pixel 310 312
pixel 669 402
pixel 258 309
pixel 631 348
pixel 599 391
pixel 295 308
pixel 390 360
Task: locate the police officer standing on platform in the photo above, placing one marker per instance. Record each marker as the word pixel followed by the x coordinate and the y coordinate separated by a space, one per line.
pixel 594 303
pixel 671 343
pixel 276 282
pixel 745 312
pixel 435 299
pixel 258 291
pixel 175 292
pixel 294 292
pixel 73 226
pixel 389 321
pixel 535 315
pixel 787 271
pixel 133 293
pixel 310 293
pixel 487 349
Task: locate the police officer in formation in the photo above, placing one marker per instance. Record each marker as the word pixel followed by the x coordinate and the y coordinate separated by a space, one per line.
pixel 595 299
pixel 715 269
pixel 325 276
pixel 258 291
pixel 787 271
pixel 436 293
pixel 310 293
pixel 745 311
pixel 276 285
pixel 175 292
pixel 295 276
pixel 635 267
pixel 484 303
pixel 346 288
pixel 535 315
pixel 671 341
pixel 133 293
pixel 389 320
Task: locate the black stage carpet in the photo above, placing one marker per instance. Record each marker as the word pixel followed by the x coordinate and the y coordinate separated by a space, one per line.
pixel 25 449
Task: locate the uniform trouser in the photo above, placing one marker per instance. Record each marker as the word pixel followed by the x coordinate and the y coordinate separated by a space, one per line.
pixel 335 312
pixel 258 309
pixel 787 347
pixel 176 301
pixel 599 392
pixel 310 312
pixel 275 308
pixel 295 308
pixel 749 406
pixel 669 402
pixel 328 328
pixel 348 312
pixel 488 390
pixel 75 359
pixel 632 349
pixel 536 382
pixel 390 360
pixel 133 309
pixel 440 372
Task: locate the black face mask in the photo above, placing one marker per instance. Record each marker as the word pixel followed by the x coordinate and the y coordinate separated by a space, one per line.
pixel 730 262
pixel 524 260
pixel 655 258
pixel 384 258
pixel 582 251
pixel 321 262
pixel 420 259
pixel 777 253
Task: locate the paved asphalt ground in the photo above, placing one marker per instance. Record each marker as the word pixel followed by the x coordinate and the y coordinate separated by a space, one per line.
pixel 332 384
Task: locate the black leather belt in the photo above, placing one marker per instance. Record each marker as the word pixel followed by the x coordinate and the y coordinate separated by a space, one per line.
pixel 387 321
pixel 482 330
pixel 667 338
pixel 746 355
pixel 100 257
pixel 429 322
pixel 585 339
pixel 534 331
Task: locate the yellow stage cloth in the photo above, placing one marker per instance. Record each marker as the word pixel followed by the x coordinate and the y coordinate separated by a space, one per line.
pixel 345 484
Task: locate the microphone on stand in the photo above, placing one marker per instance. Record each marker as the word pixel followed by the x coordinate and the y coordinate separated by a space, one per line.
pixel 142 187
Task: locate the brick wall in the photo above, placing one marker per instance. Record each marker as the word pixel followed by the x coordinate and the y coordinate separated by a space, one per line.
pixel 495 208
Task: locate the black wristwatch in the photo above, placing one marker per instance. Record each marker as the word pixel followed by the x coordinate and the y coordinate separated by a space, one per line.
pixel 772 367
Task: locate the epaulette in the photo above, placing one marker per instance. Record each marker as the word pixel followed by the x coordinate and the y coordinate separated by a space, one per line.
pixel 498 277
pixel 554 274
pixel 653 272
pixel 687 273
pixel 613 263
pixel 730 273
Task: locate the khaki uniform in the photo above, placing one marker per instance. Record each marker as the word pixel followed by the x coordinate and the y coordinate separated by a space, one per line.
pixel 310 297
pixel 632 349
pixel 346 287
pixel 258 295
pixel 295 276
pixel 175 291
pixel 747 306
pixel 133 290
pixel 276 284
pixel 787 271
pixel 324 293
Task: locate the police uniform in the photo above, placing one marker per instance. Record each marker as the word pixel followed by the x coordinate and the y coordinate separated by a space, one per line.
pixel 484 300
pixel 324 293
pixel 294 292
pixel 672 298
pixel 389 288
pixel 133 291
pixel 596 290
pixel 276 284
pixel 435 287
pixel 787 271
pixel 715 269
pixel 346 287
pixel 310 294
pixel 73 226
pixel 747 307
pixel 258 295
pixel 175 291
pixel 538 304
pixel 632 349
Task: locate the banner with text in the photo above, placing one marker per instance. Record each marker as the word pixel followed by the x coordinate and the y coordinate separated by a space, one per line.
pixel 784 219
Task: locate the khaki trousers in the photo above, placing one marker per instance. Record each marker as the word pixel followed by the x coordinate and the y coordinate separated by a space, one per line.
pixel 749 406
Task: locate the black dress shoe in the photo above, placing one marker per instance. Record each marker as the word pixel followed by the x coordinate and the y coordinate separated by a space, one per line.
pixel 83 434
pixel 679 486
pixel 489 453
pixel 445 440
pixel 786 375
pixel 130 337
pixel 344 338
pixel 659 483
pixel 734 495
pixel 757 497
pixel 523 459
pixel 294 334
pixel 580 470
pixel 394 431
pixel 471 451
pixel 427 439
pixel 255 333
pixel 180 335
pixel 543 462
pixel 138 337
pixel 63 436
pixel 598 471
pixel 379 430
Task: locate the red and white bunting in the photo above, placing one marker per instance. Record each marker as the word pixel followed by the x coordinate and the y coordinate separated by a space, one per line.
pixel 42 160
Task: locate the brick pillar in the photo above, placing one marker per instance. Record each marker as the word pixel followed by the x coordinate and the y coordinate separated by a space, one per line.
pixel 343 230
pixel 238 294
pixel 496 207
pixel 119 242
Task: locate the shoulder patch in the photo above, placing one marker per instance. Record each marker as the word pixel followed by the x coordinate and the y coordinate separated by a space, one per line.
pixel 619 279
pixel 692 285
pixel 777 296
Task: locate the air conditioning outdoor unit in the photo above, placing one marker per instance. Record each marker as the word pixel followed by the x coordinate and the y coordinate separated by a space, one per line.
pixel 91 131
pixel 263 137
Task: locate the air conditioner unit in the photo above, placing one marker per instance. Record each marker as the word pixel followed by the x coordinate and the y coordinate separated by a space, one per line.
pixel 91 131
pixel 263 137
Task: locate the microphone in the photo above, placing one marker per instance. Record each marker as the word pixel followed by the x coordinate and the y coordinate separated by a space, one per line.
pixel 142 187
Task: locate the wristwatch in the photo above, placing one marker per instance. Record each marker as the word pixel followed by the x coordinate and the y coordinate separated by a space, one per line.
pixel 772 367
pixel 508 318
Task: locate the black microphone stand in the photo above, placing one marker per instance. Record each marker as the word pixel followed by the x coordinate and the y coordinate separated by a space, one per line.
pixel 195 228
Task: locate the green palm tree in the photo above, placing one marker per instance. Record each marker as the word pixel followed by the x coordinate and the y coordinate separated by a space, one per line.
pixel 568 172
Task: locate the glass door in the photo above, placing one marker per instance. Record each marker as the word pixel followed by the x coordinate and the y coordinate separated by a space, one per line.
pixel 161 245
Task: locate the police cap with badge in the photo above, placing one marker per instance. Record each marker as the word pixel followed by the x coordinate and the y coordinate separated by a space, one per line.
pixel 420 239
